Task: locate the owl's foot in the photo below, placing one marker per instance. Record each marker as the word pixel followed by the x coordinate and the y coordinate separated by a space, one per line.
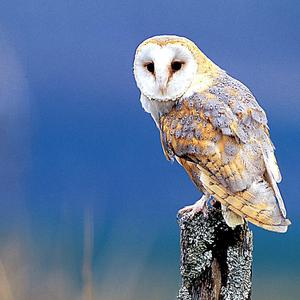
pixel 197 207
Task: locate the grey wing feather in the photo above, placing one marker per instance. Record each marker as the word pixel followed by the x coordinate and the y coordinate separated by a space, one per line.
pixel 235 111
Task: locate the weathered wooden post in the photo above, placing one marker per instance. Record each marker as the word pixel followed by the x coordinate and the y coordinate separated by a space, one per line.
pixel 216 261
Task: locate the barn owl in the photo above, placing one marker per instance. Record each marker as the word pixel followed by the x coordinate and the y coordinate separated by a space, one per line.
pixel 213 126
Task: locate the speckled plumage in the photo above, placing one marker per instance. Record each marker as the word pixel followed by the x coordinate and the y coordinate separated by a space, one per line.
pixel 211 129
pixel 217 131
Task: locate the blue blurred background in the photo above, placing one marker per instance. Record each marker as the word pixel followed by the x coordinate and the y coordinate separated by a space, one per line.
pixel 88 202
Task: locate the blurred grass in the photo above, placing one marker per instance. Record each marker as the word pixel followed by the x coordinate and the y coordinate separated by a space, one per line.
pixel 276 286
pixel 121 269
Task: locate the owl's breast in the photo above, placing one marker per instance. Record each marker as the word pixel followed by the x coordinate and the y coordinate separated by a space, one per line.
pixel 188 130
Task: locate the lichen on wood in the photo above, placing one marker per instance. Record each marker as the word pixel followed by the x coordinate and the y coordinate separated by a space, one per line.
pixel 216 261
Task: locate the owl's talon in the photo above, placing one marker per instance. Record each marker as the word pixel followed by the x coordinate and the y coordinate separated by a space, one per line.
pixel 197 207
pixel 186 209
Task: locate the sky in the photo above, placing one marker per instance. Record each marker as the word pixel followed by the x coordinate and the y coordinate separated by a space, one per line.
pixel 76 142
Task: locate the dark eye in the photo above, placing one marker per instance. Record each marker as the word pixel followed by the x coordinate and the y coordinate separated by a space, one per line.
pixel 176 65
pixel 150 67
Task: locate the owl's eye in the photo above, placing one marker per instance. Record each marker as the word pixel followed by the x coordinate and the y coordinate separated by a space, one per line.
pixel 150 67
pixel 176 65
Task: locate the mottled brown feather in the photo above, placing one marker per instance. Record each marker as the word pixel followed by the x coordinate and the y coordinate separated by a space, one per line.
pixel 218 135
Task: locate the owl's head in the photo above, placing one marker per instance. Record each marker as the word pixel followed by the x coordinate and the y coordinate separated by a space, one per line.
pixel 166 66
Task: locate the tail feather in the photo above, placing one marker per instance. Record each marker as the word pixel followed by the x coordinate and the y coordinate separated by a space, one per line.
pixel 273 175
pixel 257 205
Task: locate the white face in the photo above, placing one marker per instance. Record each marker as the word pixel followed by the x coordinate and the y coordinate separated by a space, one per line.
pixel 164 72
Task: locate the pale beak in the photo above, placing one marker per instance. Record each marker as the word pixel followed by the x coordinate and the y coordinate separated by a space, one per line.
pixel 162 81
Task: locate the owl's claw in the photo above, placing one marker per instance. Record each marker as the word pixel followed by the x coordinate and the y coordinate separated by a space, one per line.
pixel 197 207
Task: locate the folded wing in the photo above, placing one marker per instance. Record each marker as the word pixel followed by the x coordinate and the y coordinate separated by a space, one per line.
pixel 222 134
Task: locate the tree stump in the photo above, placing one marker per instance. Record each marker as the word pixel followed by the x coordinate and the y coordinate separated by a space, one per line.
pixel 216 261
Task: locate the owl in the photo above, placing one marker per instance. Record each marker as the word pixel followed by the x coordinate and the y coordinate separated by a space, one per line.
pixel 212 125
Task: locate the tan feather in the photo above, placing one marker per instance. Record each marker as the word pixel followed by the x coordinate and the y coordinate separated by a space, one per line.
pixel 245 205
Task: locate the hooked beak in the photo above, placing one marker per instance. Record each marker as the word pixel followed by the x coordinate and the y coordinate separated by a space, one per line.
pixel 162 82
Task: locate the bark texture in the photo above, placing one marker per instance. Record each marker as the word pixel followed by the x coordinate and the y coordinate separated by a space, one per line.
pixel 216 261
